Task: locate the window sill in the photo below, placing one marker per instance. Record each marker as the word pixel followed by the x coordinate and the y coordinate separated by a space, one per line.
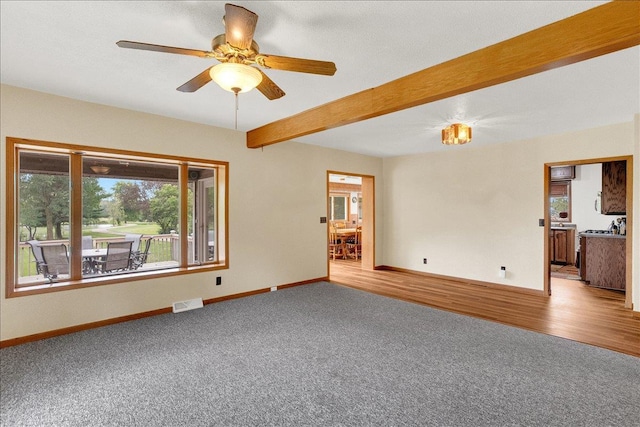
pixel 42 288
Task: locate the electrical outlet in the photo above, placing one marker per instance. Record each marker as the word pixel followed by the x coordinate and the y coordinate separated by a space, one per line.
pixel 424 260
pixel 274 288
pixel 218 281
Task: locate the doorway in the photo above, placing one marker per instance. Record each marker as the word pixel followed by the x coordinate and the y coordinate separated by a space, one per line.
pixel 351 209
pixel 592 202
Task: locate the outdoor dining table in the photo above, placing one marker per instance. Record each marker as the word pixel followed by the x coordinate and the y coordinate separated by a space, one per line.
pixel 90 256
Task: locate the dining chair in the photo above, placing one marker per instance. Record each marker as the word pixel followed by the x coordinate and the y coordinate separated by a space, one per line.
pixel 56 260
pixel 336 245
pixel 353 246
pixel 118 257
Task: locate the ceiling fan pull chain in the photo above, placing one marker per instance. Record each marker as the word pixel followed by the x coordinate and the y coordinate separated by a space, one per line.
pixel 235 91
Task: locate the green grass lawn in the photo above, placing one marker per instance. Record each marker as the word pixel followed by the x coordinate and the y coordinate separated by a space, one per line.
pixel 99 234
pixel 147 228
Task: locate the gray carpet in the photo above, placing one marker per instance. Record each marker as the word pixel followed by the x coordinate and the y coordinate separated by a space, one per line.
pixel 319 354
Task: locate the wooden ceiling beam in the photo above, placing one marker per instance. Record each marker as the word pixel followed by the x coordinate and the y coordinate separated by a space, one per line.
pixel 604 29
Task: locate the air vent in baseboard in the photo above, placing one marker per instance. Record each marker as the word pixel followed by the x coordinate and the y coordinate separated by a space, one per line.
pixel 191 304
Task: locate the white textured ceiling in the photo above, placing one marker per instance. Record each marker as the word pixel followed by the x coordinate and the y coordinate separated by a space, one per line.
pixel 68 49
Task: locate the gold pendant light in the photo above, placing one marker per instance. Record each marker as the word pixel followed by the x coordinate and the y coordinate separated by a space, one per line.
pixel 456 134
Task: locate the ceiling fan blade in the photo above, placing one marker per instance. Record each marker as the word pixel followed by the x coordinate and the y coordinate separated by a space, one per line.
pixel 296 64
pixel 197 82
pixel 269 88
pixel 167 49
pixel 240 24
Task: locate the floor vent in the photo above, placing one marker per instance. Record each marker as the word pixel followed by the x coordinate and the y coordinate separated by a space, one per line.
pixel 191 304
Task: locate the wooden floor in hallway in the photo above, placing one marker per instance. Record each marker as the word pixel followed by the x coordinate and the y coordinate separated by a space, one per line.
pixel 574 311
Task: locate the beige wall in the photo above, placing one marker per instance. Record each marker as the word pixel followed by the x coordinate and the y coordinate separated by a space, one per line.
pixel 277 197
pixel 472 209
pixel 469 209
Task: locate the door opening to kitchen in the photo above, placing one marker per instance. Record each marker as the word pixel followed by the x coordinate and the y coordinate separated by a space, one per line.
pixel 586 234
pixel 350 221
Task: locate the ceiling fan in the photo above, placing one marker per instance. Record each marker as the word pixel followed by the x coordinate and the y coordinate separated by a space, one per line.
pixel 239 54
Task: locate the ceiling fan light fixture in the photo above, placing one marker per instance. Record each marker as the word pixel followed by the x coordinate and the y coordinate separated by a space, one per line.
pixel 456 134
pixel 100 169
pixel 234 77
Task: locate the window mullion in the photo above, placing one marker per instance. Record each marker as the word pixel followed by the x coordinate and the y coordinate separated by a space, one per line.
pixel 12 179
pixel 75 223
pixel 184 222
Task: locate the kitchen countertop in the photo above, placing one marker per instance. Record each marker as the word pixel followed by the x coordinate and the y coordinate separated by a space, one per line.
pixel 604 235
pixel 563 227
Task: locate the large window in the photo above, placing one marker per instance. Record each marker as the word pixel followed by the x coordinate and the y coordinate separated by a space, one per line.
pixel 81 216
pixel 338 206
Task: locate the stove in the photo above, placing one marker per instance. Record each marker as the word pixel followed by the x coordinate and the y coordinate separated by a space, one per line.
pixel 598 232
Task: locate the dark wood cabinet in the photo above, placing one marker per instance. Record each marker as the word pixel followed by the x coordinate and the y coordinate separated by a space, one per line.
pixel 562 173
pixel 583 258
pixel 562 246
pixel 614 188
pixel 603 261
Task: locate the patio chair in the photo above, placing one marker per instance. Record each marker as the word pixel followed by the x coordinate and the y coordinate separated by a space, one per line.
pixel 87 242
pixel 140 257
pixel 135 238
pixel 36 249
pixel 118 258
pixel 211 244
pixel 56 260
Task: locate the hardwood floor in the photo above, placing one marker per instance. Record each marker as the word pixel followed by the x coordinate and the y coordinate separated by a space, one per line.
pixel 565 272
pixel 574 311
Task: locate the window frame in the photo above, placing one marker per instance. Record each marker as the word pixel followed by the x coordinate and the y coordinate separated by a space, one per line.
pixel 567 188
pixel 76 153
pixel 347 206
